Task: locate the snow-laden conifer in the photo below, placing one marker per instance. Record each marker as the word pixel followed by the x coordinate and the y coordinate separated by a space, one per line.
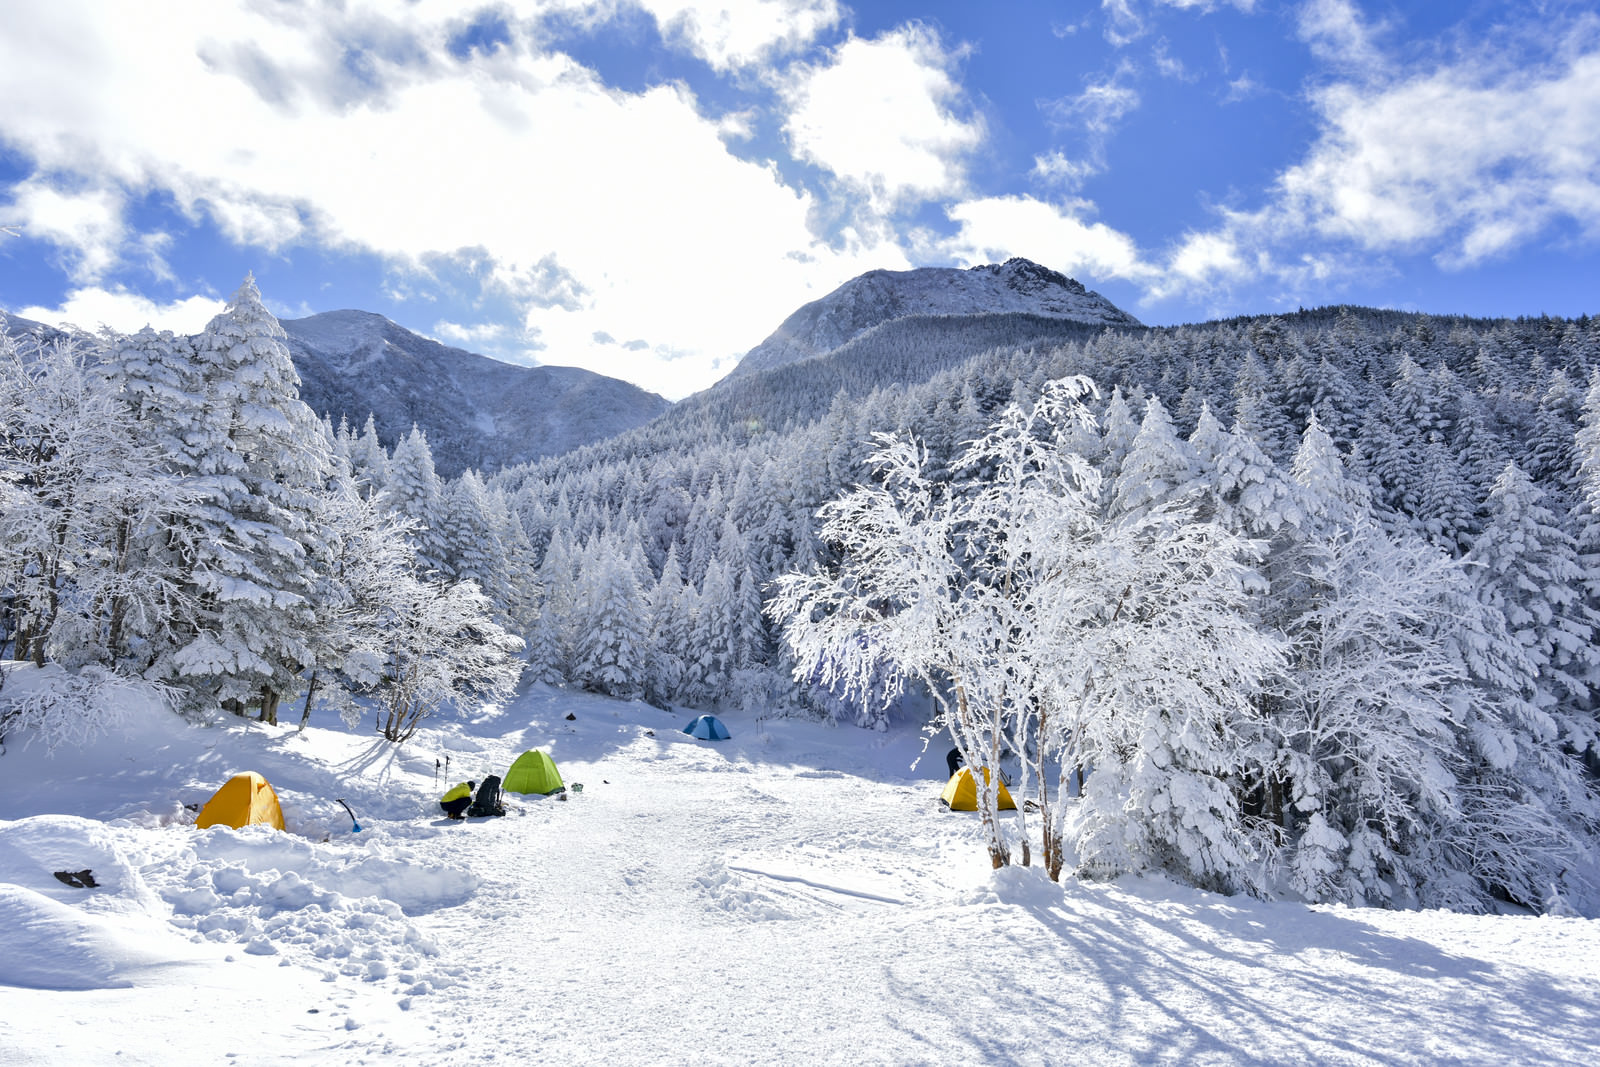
pixel 1157 464
pixel 254 457
pixel 81 488
pixel 610 653
pixel 668 630
pixel 412 488
pixel 1525 564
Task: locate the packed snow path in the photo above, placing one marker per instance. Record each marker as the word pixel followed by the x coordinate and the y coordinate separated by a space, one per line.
pixel 699 897
pixel 794 895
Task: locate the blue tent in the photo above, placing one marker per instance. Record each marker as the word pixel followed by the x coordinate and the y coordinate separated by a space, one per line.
pixel 708 728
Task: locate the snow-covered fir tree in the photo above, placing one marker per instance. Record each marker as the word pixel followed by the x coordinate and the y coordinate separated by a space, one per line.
pixel 255 456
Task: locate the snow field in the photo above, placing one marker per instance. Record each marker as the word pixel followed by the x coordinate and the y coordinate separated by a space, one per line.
pixel 792 895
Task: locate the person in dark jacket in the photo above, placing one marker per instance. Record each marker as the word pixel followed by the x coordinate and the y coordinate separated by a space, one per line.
pixel 455 802
pixel 955 761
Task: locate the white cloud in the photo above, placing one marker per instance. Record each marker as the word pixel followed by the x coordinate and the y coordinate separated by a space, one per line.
pixel 1127 20
pixel 1339 36
pixel 1102 104
pixel 1464 159
pixel 1204 261
pixel 480 336
pixel 732 35
pixel 1244 87
pixel 588 208
pixel 886 116
pixel 1056 168
pixel 993 229
pixel 1167 64
pixel 92 308
pixel 86 225
pixel 1125 23
pixel 1097 110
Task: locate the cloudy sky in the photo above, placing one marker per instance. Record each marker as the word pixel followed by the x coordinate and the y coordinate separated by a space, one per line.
pixel 646 188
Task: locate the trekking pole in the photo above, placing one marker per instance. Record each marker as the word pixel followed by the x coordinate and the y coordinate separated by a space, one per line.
pixel 436 772
pixel 355 827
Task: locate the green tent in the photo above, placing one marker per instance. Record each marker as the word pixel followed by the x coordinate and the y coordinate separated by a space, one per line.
pixel 533 772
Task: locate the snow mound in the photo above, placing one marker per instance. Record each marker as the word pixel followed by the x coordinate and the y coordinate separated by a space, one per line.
pixel 54 935
pixel 335 909
pixel 46 944
pixel 324 907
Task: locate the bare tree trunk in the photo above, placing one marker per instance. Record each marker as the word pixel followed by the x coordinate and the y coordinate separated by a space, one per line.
pixel 305 713
pixel 269 707
pixel 999 855
pixel 1050 837
pixel 33 644
pixel 117 617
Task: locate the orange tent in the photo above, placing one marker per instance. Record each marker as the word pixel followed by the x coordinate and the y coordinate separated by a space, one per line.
pixel 244 800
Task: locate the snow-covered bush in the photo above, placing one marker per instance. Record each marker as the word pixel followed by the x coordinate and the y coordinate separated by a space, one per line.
pixel 59 708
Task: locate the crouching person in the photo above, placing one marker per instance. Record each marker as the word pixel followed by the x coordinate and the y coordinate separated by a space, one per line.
pixel 455 802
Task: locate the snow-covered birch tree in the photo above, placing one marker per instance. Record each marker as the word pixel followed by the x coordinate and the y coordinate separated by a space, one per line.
pixel 1122 648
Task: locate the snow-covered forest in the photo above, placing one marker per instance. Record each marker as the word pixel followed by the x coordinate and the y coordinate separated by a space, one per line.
pixel 173 512
pixel 1297 606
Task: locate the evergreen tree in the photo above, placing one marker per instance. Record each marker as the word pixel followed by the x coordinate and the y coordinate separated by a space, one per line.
pixel 471 545
pixel 1446 504
pixel 413 489
pixel 254 457
pixel 1118 429
pixel 80 487
pixel 1255 408
pixel 1156 465
pixel 1525 565
pixel 520 559
pixel 550 655
pixel 715 640
pixel 369 459
pixel 1548 454
pixel 669 641
pixel 610 655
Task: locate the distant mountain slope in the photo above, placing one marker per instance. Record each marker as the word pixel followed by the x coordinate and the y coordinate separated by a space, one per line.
pixel 894 354
pixel 1017 286
pixel 477 412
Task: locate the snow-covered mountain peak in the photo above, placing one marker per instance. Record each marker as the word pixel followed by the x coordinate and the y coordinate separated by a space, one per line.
pixel 343 331
pixel 1015 286
pixel 476 411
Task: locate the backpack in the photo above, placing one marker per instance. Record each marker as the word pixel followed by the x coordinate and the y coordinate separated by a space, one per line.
pixel 487 802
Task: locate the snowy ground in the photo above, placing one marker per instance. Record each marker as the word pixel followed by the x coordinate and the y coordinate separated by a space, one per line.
pixel 792 895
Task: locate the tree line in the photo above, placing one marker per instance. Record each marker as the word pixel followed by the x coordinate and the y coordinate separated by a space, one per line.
pixel 1292 604
pixel 170 510
pixel 1360 544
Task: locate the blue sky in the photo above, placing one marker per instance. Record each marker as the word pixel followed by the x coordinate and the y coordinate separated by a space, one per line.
pixel 646 188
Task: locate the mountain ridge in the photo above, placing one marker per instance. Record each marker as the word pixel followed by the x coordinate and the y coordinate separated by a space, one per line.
pixel 476 411
pixel 868 300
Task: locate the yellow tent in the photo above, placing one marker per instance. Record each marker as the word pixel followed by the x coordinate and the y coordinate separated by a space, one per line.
pixel 961 792
pixel 244 800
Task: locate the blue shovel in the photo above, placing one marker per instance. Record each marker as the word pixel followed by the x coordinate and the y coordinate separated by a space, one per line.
pixel 355 827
